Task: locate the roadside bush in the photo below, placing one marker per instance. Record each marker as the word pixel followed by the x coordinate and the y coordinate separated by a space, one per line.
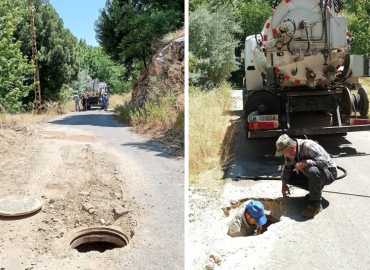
pixel 212 46
pixel 155 116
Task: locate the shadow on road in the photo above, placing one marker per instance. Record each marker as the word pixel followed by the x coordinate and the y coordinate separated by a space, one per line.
pixel 96 119
pixel 108 120
pixel 154 145
pixel 338 146
pixel 234 113
pixel 293 207
pixel 241 158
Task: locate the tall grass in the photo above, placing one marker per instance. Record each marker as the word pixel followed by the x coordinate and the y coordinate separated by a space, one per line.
pixel 208 124
pixel 11 120
pixel 156 115
pixel 162 118
pixel 117 100
pixel 50 110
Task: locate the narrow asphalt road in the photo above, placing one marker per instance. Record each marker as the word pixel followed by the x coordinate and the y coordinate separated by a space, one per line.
pixel 157 188
pixel 337 238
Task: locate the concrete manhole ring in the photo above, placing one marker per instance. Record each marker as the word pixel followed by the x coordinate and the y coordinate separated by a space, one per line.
pixel 98 239
pixel 16 206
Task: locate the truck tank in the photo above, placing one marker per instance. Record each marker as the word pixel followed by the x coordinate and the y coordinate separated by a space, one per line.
pixel 299 75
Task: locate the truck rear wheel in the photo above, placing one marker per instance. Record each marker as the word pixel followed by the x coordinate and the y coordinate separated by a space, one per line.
pixel 363 102
pixel 264 102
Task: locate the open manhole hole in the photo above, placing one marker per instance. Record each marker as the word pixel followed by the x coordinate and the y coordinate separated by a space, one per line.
pixel 291 207
pixel 98 239
pixel 274 209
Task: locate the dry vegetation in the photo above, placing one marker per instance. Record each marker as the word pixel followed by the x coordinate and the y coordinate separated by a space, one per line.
pixel 163 119
pixel 156 107
pixel 208 124
pixel 117 100
pixel 52 109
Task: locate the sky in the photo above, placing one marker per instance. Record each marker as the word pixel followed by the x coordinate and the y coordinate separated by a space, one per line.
pixel 79 17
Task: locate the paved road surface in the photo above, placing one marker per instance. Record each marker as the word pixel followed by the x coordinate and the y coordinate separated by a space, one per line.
pixel 339 237
pixel 158 188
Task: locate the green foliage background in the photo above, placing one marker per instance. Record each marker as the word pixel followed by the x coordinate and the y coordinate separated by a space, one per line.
pixel 128 29
pixel 15 69
pixel 66 64
pixel 212 45
pixel 209 64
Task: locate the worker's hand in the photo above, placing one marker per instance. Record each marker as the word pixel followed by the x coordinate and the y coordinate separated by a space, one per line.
pixel 285 190
pixel 299 166
pixel 259 230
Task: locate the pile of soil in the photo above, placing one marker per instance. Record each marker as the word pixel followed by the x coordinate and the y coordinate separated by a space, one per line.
pixel 80 185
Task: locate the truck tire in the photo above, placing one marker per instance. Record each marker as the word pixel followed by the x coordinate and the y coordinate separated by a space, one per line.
pixel 347 103
pixel 363 104
pixel 262 101
pixel 245 93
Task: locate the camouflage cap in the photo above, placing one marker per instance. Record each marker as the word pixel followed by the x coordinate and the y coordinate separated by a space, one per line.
pixel 283 142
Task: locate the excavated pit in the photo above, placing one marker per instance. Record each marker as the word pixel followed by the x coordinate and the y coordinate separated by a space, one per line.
pixel 290 207
pixel 275 207
pixel 98 239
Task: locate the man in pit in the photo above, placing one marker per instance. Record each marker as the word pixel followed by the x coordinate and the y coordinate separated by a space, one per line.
pixel 251 219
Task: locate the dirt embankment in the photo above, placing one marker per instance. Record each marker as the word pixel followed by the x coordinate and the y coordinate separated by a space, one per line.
pixel 157 102
pixel 80 185
pixel 165 73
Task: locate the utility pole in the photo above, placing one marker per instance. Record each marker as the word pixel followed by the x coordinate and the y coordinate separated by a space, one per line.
pixel 37 105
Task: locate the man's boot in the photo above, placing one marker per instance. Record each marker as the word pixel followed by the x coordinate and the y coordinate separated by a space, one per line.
pixel 312 209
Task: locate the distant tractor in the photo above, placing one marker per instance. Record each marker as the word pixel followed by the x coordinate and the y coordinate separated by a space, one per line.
pixel 299 75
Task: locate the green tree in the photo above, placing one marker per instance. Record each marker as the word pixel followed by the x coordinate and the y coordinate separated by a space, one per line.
pixel 98 65
pixel 56 49
pixel 212 45
pixel 234 4
pixel 252 15
pixel 15 70
pixel 127 29
pixel 83 78
pixel 358 14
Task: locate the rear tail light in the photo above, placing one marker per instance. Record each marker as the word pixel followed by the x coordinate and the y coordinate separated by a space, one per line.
pixel 263 122
pixel 263 125
pixel 359 121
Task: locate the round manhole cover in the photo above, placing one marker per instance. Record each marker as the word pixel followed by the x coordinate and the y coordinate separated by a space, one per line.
pixel 16 206
pixel 98 239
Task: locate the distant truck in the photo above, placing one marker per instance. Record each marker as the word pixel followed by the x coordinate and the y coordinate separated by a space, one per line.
pixel 300 78
pixel 96 90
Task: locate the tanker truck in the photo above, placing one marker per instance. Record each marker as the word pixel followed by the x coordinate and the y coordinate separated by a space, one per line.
pixel 300 77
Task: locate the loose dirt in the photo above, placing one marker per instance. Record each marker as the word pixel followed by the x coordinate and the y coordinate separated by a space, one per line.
pixel 208 224
pixel 80 184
